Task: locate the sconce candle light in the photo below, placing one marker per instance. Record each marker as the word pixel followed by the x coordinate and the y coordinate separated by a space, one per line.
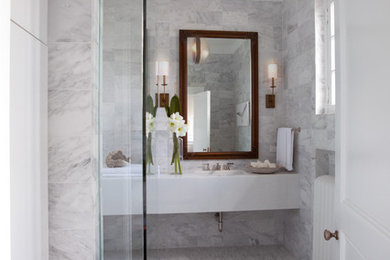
pixel 200 50
pixel 272 74
pixel 162 69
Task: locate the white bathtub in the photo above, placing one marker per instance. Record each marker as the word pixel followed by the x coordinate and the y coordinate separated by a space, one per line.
pixel 197 191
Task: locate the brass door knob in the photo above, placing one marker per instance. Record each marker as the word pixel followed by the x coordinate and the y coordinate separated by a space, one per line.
pixel 328 235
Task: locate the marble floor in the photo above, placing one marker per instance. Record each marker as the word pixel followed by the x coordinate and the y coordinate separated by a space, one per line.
pixel 209 253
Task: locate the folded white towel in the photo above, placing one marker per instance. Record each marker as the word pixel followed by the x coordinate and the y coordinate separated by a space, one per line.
pixel 265 164
pixel 285 148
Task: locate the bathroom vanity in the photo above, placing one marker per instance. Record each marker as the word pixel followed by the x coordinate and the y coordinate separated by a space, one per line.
pixel 198 191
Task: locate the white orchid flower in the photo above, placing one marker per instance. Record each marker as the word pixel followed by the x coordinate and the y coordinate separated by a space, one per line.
pixel 150 123
pixel 149 116
pixel 176 116
pixel 181 130
pixel 173 124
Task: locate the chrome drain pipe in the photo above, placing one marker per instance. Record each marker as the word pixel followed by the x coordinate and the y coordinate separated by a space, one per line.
pixel 219 217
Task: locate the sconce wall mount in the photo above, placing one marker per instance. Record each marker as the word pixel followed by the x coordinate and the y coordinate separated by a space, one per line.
pixel 272 74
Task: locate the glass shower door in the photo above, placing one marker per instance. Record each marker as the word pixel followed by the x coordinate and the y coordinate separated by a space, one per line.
pixel 121 124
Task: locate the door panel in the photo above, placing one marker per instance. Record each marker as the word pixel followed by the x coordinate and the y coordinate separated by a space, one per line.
pixel 363 127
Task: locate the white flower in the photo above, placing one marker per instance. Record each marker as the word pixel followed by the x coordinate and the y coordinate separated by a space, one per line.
pixel 176 116
pixel 181 130
pixel 176 124
pixel 149 116
pixel 150 123
pixel 173 124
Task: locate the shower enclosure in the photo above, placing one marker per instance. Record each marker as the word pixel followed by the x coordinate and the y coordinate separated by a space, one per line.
pixel 147 211
pixel 121 129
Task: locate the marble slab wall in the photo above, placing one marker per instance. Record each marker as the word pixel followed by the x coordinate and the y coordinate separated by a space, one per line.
pixel 242 93
pixel 297 109
pixel 196 230
pixel 166 17
pixel 73 215
pixel 122 78
pixel 213 75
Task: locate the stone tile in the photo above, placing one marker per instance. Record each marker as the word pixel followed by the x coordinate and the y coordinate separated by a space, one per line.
pixel 70 66
pixel 70 160
pixel 72 244
pixel 72 206
pixel 69 21
pixel 70 113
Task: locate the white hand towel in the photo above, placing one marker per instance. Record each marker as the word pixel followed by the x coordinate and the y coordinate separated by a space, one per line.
pixel 285 148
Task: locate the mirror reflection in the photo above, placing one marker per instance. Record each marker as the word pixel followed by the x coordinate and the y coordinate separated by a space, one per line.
pixel 219 94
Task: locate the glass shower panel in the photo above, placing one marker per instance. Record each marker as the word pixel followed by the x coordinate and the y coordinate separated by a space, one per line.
pixel 121 156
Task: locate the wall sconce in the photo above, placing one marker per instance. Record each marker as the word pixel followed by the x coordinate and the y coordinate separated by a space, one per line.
pixel 272 74
pixel 200 50
pixel 162 69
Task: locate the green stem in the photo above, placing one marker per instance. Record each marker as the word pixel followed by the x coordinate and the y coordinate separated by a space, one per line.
pixel 149 155
pixel 178 162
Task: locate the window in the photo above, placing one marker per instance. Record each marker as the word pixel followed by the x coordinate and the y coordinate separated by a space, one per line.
pixel 331 57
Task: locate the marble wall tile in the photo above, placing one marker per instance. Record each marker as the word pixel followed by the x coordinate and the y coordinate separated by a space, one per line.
pixel 70 112
pixel 72 244
pixel 298 109
pixel 70 66
pixel 70 160
pixel 73 211
pixel 72 206
pixel 196 230
pixel 70 21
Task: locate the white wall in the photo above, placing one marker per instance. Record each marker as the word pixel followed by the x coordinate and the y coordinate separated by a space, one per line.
pixel 5 239
pixel 28 130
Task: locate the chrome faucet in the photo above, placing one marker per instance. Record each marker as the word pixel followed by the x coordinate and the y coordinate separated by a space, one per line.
pixel 217 167
pixel 227 166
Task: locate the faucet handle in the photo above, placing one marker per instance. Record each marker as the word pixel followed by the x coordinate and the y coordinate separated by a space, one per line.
pixel 206 167
pixel 217 167
pixel 227 166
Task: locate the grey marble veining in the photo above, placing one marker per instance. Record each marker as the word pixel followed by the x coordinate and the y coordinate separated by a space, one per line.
pixel 70 65
pixel 121 89
pixel 194 230
pixel 70 113
pixel 70 21
pixel 72 244
pixel 165 18
pixel 72 206
pixel 297 109
pixel 70 160
pixel 231 253
pixel 72 97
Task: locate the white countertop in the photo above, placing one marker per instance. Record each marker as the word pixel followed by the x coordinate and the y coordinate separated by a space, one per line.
pixel 197 191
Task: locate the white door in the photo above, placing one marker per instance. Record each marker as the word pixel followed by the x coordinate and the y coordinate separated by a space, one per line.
pixel 201 121
pixel 363 129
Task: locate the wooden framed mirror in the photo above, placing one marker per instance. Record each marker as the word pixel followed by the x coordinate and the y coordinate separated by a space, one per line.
pixel 219 94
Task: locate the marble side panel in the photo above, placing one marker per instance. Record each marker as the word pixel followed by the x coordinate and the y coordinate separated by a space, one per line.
pixel 72 206
pixel 72 244
pixel 70 21
pixel 195 230
pixel 70 66
pixel 70 160
pixel 70 112
pixel 73 211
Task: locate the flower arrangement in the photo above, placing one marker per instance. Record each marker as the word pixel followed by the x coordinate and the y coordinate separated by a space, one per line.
pixel 150 127
pixel 178 128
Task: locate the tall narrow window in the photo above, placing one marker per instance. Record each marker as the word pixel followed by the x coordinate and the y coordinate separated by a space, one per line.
pixel 331 57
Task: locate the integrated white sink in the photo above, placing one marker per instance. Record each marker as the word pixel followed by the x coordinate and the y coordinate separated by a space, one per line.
pixel 198 191
pixel 222 173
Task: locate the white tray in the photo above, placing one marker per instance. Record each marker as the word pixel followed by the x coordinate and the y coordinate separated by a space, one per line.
pixel 262 170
